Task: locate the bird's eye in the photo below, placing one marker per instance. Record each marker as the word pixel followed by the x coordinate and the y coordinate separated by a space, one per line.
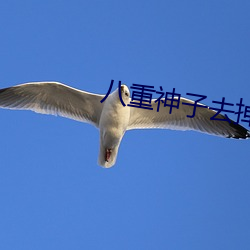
pixel 126 93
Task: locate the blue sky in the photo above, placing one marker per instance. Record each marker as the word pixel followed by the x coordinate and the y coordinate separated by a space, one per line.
pixel 169 189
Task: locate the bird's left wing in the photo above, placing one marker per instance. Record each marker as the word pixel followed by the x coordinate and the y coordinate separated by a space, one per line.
pixel 53 98
pixel 178 120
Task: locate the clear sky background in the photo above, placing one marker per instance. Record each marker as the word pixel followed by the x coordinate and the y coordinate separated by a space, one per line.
pixel 169 189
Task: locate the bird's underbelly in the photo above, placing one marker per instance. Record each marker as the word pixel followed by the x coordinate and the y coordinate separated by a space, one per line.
pixel 113 124
pixel 112 136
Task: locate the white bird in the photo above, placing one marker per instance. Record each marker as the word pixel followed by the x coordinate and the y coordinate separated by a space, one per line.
pixel 111 117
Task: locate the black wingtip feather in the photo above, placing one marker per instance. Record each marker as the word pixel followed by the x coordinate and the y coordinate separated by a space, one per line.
pixel 240 131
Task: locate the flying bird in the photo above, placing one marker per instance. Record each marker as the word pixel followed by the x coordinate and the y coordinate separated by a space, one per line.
pixel 111 117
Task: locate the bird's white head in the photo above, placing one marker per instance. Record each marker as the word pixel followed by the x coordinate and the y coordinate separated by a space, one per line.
pixel 125 93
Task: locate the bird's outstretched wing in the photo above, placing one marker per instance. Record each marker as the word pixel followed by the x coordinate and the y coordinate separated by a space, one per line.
pixel 53 98
pixel 178 120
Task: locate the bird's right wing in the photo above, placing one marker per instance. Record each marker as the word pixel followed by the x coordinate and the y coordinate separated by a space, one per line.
pixel 53 98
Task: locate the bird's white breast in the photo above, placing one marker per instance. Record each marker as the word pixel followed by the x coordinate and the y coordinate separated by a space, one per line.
pixel 114 118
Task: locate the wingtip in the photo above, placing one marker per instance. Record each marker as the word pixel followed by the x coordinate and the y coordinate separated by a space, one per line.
pixel 240 131
pixel 248 134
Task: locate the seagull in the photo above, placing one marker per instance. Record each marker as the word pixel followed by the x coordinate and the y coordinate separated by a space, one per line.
pixel 111 117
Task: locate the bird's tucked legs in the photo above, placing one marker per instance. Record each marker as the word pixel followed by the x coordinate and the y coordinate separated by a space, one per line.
pixel 108 154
